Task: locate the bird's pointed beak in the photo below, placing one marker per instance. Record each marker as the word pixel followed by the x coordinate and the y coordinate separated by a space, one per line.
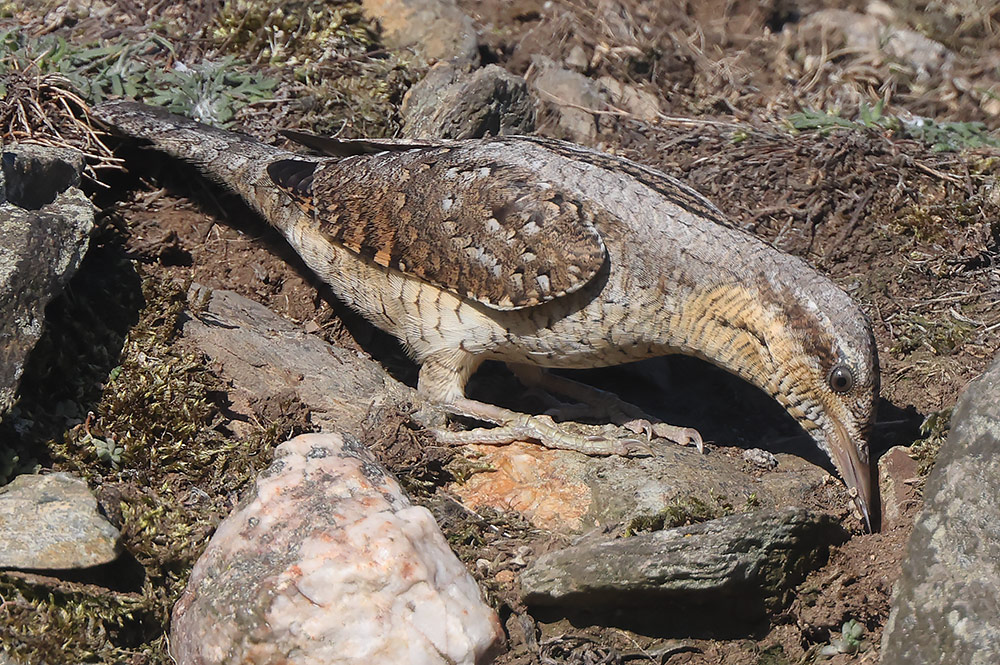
pixel 855 472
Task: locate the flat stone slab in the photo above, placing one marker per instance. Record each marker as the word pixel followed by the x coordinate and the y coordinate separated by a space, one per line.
pixel 570 493
pixel 327 562
pixel 51 522
pixel 947 606
pixel 265 355
pixel 758 555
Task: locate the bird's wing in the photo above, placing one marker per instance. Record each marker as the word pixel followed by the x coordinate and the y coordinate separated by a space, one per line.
pixel 454 217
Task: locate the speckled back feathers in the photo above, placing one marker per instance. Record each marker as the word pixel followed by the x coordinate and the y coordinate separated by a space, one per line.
pixel 482 229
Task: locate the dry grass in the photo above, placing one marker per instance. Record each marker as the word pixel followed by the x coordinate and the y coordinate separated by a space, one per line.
pixel 44 109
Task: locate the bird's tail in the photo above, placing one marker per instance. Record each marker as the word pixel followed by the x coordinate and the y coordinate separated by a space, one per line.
pixel 235 160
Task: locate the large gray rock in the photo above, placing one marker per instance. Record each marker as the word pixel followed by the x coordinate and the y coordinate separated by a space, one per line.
pixel 52 523
pixel 947 607
pixel 450 103
pixel 758 556
pixel 326 562
pixel 45 224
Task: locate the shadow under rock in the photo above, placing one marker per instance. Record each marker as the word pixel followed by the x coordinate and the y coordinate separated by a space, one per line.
pixel 731 618
pixel 123 575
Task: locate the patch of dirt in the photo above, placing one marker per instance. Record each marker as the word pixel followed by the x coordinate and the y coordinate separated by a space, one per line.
pixel 910 233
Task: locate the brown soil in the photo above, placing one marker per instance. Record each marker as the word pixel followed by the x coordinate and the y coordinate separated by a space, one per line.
pixel 912 234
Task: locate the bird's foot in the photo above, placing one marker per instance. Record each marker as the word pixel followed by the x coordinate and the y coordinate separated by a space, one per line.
pixel 513 426
pixel 596 403
pixel 608 406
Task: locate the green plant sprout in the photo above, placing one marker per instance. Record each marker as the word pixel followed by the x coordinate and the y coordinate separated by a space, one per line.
pixel 211 91
pixel 851 640
pixel 940 136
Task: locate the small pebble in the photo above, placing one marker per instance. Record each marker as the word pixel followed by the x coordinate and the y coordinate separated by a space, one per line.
pixel 760 458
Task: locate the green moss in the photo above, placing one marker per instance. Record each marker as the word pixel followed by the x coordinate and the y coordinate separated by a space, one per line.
pixel 463 467
pixel 681 512
pixel 931 223
pixel 921 223
pixel 933 433
pixel 773 655
pixel 297 33
pixel 72 623
pixel 939 336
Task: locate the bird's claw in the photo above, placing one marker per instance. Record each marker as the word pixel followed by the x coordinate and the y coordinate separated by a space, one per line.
pixel 684 436
pixel 625 447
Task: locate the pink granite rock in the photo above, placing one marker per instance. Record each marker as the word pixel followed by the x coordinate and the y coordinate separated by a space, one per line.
pixel 326 561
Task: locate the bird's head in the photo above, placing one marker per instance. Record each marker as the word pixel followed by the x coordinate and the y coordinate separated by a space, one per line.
pixel 810 346
pixel 826 375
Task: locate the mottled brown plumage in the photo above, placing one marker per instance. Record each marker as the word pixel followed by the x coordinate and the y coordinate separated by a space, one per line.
pixel 541 254
pixel 510 246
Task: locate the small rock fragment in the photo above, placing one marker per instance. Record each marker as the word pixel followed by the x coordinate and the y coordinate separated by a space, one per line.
pixel 51 522
pixel 897 473
pixel 326 562
pixel 450 103
pixel 641 104
pixel 761 458
pixel 576 96
pixel 872 32
pixel 577 59
pixel 760 555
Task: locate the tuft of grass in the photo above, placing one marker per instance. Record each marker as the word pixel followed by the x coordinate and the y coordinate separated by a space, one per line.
pixel 940 136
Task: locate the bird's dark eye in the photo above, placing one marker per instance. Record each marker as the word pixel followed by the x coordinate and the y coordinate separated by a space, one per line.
pixel 841 380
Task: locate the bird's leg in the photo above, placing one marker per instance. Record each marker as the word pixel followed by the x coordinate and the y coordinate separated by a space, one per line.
pixel 442 380
pixel 607 404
